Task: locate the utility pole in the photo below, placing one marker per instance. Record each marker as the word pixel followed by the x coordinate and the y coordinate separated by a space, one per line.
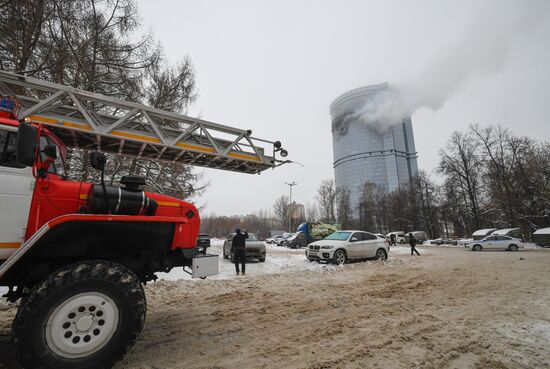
pixel 290 185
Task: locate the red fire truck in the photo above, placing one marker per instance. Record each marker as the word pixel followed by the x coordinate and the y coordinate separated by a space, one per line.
pixel 75 254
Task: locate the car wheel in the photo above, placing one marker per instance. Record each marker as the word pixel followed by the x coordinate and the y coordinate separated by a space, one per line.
pixel 340 257
pixel 381 255
pixel 261 260
pixel 513 248
pixel 231 257
pixel 224 254
pixel 477 248
pixel 85 315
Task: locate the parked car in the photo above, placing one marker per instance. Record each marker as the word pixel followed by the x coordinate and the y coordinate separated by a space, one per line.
pixel 203 242
pixel 297 240
pixel 449 241
pixel 482 233
pixel 464 241
pixel 399 237
pixel 282 241
pixel 274 239
pixel 437 241
pixel 253 248
pixel 510 232
pixel 341 246
pixel 542 237
pixel 497 243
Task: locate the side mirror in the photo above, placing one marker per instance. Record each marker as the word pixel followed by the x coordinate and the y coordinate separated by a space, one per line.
pixel 353 239
pixel 50 150
pixel 97 160
pixel 27 136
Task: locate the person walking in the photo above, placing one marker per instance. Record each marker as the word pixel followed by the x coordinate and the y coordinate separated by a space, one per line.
pixel 238 249
pixel 392 239
pixel 412 242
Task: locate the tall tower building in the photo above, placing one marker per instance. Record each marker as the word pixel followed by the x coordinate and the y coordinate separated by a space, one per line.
pixel 370 151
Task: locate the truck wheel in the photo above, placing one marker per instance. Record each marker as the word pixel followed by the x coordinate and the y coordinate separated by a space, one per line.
pixel 85 315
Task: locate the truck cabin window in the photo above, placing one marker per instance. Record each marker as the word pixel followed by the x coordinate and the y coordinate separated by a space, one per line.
pixel 57 166
pixel 7 149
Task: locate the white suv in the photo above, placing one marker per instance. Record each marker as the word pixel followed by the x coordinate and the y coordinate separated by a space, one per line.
pixel 342 246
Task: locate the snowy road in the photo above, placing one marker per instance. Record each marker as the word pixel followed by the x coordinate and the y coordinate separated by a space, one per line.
pixel 449 308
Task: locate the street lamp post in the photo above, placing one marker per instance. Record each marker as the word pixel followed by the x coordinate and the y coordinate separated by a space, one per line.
pixel 290 185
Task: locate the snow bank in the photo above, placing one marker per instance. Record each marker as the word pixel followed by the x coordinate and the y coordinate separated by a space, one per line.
pixel 278 260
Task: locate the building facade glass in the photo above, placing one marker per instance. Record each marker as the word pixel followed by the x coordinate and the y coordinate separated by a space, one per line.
pixel 382 154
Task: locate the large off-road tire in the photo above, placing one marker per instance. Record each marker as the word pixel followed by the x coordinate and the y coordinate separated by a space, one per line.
pixel 339 257
pixel 381 255
pixel 85 315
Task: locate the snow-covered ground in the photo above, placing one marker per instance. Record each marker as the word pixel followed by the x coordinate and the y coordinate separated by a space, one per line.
pixel 278 260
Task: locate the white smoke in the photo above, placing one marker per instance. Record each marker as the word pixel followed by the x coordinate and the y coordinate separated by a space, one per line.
pixel 482 50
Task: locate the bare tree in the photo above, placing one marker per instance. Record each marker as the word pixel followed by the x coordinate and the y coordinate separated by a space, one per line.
pixel 500 150
pixel 462 161
pixel 280 208
pixel 426 196
pixel 345 210
pixel 97 45
pixel 311 212
pixel 326 197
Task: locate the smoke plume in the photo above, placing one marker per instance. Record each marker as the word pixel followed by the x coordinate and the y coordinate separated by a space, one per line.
pixel 482 50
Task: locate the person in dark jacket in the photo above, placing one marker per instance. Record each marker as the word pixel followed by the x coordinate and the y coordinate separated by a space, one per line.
pixel 392 239
pixel 413 242
pixel 238 249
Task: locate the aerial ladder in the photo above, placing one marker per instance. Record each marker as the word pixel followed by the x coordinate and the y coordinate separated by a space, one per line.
pixel 92 121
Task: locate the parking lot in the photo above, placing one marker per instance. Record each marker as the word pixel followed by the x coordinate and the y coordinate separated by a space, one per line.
pixel 449 308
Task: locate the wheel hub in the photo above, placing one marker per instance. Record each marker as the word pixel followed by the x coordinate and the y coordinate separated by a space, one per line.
pixel 82 325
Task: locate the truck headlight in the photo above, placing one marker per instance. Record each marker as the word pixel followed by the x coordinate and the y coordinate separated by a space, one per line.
pixel 326 247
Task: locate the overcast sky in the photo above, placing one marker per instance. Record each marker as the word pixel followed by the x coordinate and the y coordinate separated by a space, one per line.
pixel 275 67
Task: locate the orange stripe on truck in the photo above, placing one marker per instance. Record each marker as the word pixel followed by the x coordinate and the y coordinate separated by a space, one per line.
pixel 10 245
pixel 169 203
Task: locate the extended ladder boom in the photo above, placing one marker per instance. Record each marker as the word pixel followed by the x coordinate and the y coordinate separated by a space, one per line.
pixel 88 120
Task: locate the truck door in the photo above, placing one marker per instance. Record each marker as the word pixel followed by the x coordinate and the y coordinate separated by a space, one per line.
pixel 16 187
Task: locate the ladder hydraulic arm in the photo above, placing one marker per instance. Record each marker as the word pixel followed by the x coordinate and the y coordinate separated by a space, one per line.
pixel 92 121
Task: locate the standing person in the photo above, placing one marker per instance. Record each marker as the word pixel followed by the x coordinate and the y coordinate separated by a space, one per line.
pixel 392 239
pixel 412 242
pixel 238 249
